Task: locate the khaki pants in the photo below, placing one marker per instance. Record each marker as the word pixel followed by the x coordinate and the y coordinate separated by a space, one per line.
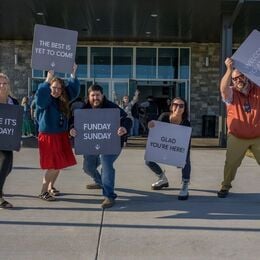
pixel 236 150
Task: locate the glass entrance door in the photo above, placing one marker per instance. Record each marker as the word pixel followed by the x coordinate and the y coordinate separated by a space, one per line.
pixel 119 89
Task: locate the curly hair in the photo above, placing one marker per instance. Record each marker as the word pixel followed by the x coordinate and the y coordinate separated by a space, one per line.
pixel 63 98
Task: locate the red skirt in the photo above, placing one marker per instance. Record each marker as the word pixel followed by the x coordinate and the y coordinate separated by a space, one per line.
pixel 55 151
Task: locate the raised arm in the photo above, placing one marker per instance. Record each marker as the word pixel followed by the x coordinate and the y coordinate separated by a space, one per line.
pixel 225 83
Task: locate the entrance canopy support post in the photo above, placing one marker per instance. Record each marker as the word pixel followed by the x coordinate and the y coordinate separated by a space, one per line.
pixel 226 51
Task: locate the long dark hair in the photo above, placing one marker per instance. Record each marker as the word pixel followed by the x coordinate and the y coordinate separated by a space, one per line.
pixel 185 114
pixel 63 99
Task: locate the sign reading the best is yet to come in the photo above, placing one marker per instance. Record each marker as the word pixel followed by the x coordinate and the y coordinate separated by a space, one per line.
pixel 53 48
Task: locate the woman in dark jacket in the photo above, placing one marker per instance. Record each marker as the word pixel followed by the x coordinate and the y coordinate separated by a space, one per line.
pixel 178 115
pixel 6 157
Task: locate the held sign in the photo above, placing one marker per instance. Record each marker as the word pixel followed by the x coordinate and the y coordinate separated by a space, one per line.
pixel 11 118
pixel 97 131
pixel 247 57
pixel 53 48
pixel 168 143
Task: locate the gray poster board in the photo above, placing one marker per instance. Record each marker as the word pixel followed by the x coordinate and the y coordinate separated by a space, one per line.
pixel 11 119
pixel 53 48
pixel 97 131
pixel 247 57
pixel 168 144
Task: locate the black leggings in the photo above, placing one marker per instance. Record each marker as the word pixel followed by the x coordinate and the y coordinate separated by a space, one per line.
pixel 6 164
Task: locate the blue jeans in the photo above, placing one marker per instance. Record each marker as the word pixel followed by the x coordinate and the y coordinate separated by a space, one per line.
pixel 136 127
pixel 185 171
pixel 105 178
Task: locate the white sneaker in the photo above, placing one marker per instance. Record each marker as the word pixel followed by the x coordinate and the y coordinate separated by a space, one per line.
pixel 161 182
pixel 184 192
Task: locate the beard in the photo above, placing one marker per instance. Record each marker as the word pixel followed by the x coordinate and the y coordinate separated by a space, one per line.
pixel 242 86
pixel 96 103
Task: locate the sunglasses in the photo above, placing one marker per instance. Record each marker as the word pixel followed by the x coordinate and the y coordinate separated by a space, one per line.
pixel 238 77
pixel 178 105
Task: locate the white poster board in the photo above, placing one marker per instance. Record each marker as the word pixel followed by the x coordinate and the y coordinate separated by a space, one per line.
pixel 247 57
pixel 168 143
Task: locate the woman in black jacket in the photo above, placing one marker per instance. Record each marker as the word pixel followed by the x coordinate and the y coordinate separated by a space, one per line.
pixel 178 115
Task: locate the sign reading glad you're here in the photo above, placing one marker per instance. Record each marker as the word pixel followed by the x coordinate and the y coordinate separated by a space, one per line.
pixel 11 117
pixel 97 131
pixel 168 143
pixel 53 48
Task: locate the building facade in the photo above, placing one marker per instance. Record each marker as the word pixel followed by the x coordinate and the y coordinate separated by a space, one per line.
pixel 163 70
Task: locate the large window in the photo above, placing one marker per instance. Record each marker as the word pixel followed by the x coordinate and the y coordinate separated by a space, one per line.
pixel 168 63
pixel 184 63
pixel 145 63
pixel 100 62
pixel 122 62
pixel 82 61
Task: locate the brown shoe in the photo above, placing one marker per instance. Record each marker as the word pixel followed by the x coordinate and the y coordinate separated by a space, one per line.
pixel 107 203
pixel 93 186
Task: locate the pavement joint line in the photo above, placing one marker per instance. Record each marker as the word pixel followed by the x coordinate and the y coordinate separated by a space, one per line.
pixel 99 234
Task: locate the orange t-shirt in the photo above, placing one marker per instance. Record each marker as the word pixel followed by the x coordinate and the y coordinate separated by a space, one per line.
pixel 240 123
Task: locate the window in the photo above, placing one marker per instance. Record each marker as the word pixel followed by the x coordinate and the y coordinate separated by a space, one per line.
pixel 100 62
pixel 145 63
pixel 122 62
pixel 82 61
pixel 184 63
pixel 168 63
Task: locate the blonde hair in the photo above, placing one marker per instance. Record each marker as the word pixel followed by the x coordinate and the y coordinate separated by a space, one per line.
pixel 4 76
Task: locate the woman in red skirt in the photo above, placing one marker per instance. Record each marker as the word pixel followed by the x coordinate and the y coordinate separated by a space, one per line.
pixel 52 112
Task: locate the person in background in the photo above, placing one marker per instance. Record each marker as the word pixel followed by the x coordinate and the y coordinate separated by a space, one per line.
pixel 52 112
pixel 128 105
pixel 178 115
pixel 28 128
pixel 6 157
pixel 242 99
pixel 31 97
pixel 149 111
pixel 136 116
pixel 34 119
pixel 106 178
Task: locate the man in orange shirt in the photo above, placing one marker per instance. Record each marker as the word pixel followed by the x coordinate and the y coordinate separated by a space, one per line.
pixel 242 99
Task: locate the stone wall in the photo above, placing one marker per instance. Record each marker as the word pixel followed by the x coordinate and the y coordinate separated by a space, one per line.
pixel 204 91
pixel 21 72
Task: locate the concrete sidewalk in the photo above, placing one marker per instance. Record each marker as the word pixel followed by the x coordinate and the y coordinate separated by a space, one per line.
pixel 144 224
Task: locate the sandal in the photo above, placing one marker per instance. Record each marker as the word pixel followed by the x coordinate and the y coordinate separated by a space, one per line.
pixel 46 196
pixel 54 192
pixel 5 205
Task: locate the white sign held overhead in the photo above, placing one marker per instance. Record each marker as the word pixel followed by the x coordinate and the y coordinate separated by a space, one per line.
pixel 53 48
pixel 247 57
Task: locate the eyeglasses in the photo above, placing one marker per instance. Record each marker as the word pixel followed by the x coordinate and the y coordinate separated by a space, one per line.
pixel 178 105
pixel 3 83
pixel 56 88
pixel 238 77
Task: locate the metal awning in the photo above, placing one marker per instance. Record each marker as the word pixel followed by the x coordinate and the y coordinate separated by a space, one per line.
pixel 129 20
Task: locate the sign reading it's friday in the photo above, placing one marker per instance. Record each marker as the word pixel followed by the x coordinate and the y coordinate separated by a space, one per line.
pixel 11 117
